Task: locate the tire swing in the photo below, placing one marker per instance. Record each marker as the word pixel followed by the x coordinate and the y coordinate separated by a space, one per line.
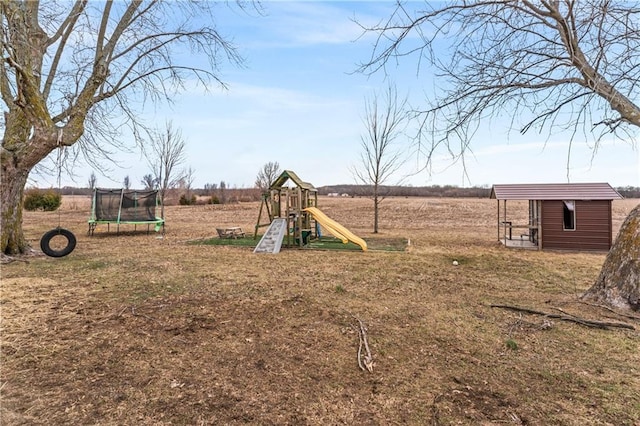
pixel 45 241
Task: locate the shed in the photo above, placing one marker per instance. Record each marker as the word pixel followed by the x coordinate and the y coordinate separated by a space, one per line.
pixel 562 216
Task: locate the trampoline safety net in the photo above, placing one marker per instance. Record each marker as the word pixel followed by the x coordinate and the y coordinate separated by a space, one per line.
pixel 124 205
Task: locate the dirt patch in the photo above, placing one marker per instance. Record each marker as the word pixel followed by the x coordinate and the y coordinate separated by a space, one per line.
pixel 145 329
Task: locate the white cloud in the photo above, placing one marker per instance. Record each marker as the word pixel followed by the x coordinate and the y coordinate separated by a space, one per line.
pixel 310 23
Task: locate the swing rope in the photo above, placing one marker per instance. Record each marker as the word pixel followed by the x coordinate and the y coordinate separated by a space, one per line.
pixel 45 241
pixel 59 163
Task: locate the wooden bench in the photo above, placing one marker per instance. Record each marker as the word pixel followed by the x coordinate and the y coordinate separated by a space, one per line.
pixel 233 232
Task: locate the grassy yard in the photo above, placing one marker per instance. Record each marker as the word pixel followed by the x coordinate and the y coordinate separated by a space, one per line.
pixel 147 329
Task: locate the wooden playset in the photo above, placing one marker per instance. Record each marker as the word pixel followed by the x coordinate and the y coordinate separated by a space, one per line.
pixel 289 203
pixel 293 212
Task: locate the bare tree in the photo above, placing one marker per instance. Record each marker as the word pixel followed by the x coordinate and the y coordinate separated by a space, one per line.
pixel 149 182
pixel 185 186
pixel 267 174
pixel 554 65
pixel 189 178
pixel 126 182
pixel 60 87
pixel 222 191
pixel 381 157
pixel 210 188
pixel 92 182
pixel 165 154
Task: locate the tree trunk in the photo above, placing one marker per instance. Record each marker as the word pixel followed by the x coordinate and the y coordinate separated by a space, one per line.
pixel 619 282
pixel 20 154
pixel 376 205
pixel 12 186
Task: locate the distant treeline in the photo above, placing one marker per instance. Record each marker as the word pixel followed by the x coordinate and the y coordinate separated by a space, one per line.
pixel 217 195
pixel 448 191
pixel 629 191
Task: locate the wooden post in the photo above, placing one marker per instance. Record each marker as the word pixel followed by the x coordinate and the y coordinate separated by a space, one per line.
pixel 498 219
pixel 264 201
pixel 539 202
pixel 504 221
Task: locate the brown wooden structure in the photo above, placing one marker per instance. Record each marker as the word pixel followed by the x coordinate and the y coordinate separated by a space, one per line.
pixel 290 202
pixel 569 216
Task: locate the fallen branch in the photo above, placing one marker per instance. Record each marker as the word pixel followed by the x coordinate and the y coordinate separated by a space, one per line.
pixel 135 314
pixel 634 317
pixel 110 317
pixel 588 323
pixel 365 361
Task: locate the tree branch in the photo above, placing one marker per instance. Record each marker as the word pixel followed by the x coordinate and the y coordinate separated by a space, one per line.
pixel 521 58
pixel 588 323
pixel 63 33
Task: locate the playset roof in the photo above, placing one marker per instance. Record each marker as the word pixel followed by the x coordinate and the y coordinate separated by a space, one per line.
pixel 288 174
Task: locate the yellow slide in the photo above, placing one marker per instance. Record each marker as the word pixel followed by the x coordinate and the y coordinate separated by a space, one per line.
pixel 335 228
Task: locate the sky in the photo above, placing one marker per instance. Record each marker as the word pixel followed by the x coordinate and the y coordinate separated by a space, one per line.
pixel 299 101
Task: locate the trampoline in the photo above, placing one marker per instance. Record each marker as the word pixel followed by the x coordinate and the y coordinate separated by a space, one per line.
pixel 124 207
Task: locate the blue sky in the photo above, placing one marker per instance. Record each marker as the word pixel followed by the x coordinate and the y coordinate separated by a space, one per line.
pixel 297 101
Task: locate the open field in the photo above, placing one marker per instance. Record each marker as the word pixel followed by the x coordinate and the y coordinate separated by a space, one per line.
pixel 136 329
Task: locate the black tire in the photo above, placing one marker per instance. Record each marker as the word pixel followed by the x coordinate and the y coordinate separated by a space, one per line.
pixel 45 242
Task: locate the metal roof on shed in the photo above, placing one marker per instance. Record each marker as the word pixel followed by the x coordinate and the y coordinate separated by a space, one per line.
pixel 555 191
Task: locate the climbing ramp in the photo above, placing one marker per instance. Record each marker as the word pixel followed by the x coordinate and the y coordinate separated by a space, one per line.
pixel 271 241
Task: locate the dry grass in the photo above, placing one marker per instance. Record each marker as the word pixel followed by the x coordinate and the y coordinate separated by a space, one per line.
pixel 134 329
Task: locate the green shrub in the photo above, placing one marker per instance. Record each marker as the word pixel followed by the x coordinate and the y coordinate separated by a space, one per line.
pixel 187 201
pixel 511 344
pixel 36 199
pixel 214 200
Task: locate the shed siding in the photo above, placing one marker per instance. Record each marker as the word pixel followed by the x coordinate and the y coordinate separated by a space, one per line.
pixel 593 226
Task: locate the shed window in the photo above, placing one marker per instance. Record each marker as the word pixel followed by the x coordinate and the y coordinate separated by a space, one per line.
pixel 569 215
